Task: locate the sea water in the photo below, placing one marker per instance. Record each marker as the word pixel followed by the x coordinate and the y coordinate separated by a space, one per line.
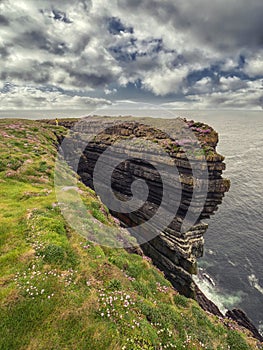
pixel 231 271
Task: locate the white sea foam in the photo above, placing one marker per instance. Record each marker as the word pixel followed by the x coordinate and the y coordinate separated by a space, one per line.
pixel 222 300
pixel 260 327
pixel 249 262
pixel 231 262
pixel 253 280
pixel 210 252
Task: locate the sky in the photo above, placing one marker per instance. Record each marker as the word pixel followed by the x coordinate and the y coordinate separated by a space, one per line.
pixel 78 54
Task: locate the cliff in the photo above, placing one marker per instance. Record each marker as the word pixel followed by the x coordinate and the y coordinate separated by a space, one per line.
pixel 60 291
pixel 138 150
pixel 191 149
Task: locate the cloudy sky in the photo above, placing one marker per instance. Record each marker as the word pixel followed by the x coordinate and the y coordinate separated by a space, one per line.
pixel 194 54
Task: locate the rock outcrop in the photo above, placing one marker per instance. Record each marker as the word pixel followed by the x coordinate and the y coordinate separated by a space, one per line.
pixel 241 319
pixel 173 250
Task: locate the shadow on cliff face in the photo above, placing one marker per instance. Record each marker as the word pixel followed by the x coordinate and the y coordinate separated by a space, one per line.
pixel 159 178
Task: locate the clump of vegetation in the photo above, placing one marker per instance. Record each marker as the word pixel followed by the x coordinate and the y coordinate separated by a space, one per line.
pixel 60 291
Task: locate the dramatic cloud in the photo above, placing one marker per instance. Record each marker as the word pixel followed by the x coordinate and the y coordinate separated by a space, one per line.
pixel 220 23
pixel 193 53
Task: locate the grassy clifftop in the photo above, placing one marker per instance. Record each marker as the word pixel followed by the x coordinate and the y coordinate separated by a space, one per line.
pixel 59 291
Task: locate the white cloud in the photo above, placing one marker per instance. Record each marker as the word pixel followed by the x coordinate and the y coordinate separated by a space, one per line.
pixel 254 65
pixel 229 64
pixel 109 92
pixel 243 98
pixel 203 85
pixel 30 97
pixel 165 81
pixel 232 83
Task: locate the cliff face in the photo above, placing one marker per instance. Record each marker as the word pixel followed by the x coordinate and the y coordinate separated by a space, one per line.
pixel 191 150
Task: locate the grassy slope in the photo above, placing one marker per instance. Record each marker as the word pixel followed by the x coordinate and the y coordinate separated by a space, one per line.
pixel 60 292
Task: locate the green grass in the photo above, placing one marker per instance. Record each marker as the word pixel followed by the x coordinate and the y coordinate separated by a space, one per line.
pixel 60 291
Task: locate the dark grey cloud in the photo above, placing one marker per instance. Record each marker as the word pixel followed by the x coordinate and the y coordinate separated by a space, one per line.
pixel 60 16
pixel 223 24
pixel 115 26
pixel 91 79
pixel 28 73
pixel 37 39
pixel 4 21
pixel 4 53
pixel 82 41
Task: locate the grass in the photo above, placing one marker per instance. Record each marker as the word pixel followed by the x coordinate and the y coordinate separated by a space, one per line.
pixel 60 291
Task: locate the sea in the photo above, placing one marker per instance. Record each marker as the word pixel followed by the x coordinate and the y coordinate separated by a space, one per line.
pixel 231 271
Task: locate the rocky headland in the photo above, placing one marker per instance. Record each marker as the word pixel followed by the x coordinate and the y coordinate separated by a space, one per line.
pixel 174 252
pixel 61 290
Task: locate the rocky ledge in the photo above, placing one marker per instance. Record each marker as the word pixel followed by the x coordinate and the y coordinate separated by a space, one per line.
pixel 188 144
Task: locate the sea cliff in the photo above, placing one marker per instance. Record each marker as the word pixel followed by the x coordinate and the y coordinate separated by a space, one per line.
pixel 173 251
pixel 60 291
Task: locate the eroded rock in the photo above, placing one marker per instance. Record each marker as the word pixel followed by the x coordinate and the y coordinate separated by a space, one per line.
pixel 174 251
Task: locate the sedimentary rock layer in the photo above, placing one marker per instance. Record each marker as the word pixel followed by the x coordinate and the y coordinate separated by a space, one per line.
pixel 191 150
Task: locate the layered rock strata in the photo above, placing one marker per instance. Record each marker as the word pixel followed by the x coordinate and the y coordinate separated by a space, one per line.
pixel 173 250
